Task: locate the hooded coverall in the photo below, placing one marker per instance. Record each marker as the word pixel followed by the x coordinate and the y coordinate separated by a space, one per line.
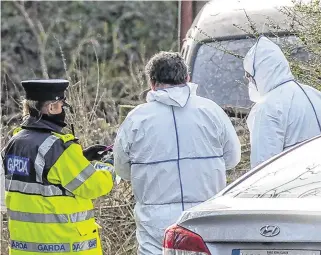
pixel 175 149
pixel 49 187
pixel 284 116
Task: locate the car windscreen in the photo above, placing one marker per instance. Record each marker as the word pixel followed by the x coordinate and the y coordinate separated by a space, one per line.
pixel 296 174
pixel 218 69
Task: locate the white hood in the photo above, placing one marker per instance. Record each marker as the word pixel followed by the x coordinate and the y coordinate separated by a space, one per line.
pixel 266 62
pixel 175 96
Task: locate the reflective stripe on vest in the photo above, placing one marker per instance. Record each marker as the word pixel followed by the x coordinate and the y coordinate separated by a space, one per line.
pixel 49 190
pixel 80 178
pixel 85 245
pixel 50 218
pixel 40 247
pixel 34 188
pixel 81 216
pixel 40 158
pixel 53 247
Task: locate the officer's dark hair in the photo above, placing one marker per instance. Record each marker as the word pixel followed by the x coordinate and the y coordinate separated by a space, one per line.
pixel 167 68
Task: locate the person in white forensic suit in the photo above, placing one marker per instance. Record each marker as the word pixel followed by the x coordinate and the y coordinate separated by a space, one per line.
pixel 175 149
pixel 286 112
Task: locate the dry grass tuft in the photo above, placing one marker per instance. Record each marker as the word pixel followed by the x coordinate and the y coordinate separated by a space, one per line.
pixel 96 121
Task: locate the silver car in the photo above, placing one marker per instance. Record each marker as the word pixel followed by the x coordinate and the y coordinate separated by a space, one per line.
pixel 275 209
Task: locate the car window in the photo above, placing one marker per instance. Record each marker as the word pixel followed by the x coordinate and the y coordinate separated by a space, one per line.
pixel 296 174
pixel 218 70
pixel 219 74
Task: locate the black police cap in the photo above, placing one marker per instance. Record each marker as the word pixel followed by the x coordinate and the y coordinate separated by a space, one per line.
pixel 45 90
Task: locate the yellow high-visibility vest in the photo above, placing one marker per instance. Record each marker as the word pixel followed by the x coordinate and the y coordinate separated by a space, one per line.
pixel 49 190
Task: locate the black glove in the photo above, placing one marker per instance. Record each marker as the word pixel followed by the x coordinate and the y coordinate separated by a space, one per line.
pixel 92 153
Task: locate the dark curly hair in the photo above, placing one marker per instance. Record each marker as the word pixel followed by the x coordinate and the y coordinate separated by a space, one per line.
pixel 167 68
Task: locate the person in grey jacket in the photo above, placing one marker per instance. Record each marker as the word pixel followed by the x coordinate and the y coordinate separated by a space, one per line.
pixel 175 149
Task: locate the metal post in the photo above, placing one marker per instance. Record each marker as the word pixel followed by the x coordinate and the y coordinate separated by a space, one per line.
pixel 179 23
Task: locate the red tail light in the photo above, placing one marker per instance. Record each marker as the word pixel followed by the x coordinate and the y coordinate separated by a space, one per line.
pixel 181 241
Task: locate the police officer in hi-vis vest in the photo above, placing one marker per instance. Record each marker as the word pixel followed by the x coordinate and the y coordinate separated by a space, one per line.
pixel 50 182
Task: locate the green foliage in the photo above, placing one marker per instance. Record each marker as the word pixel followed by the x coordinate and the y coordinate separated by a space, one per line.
pixel 101 48
pixel 103 43
pixel 307 27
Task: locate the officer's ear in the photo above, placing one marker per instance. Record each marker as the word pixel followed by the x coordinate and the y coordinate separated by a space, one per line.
pixel 53 108
pixel 50 108
pixel 44 107
pixel 57 107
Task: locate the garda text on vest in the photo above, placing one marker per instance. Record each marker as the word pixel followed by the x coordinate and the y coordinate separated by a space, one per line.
pixel 17 165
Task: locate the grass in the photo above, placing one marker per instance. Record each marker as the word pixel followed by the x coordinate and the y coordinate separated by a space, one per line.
pixel 114 212
pixel 95 94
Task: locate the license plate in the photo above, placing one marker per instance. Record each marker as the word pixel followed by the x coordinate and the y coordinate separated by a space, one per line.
pixel 276 252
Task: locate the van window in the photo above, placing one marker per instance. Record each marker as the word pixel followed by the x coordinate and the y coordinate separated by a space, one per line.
pixel 219 72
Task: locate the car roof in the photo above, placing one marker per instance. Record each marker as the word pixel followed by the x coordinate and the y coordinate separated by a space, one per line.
pixel 266 163
pixel 223 18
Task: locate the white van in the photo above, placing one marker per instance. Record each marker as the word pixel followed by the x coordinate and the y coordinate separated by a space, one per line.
pixel 221 35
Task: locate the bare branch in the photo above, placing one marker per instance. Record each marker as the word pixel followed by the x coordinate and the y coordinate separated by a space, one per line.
pixel 37 34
